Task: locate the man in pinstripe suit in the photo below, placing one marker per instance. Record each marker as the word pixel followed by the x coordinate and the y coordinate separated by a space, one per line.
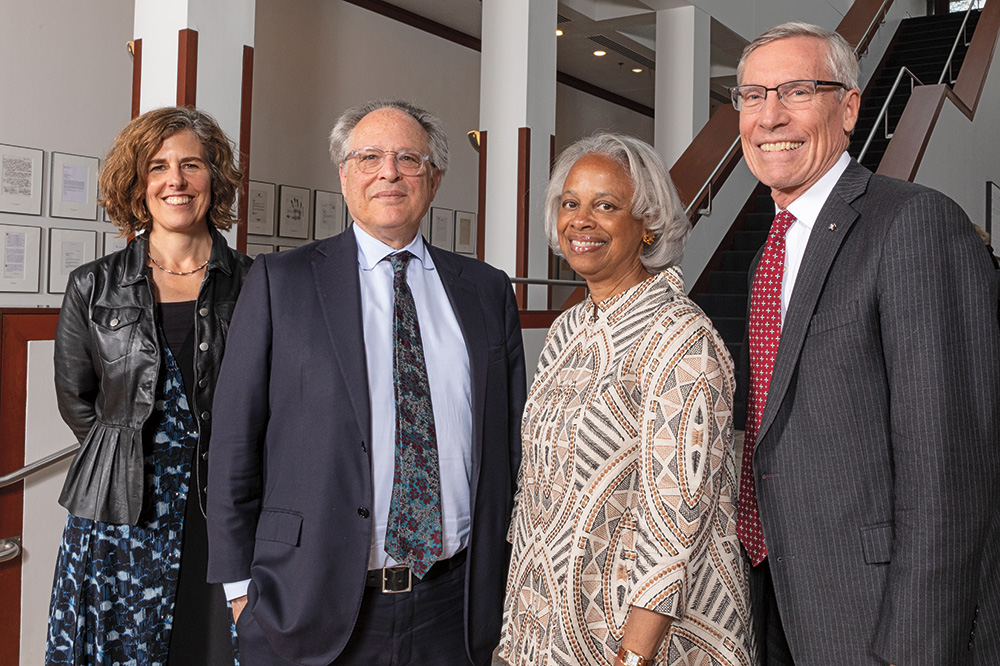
pixel 875 461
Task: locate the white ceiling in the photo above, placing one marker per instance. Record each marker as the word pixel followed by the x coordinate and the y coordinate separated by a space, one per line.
pixel 626 30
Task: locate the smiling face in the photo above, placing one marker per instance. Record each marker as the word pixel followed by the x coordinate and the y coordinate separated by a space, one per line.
pixel 597 233
pixel 790 150
pixel 387 204
pixel 179 185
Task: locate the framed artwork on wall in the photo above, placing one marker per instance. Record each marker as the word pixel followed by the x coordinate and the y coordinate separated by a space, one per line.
pixel 68 248
pixel 253 249
pixel 260 208
pixel 328 214
pixel 73 191
pixel 21 248
pixel 293 212
pixel 425 226
pixel 443 228
pixel 20 180
pixel 113 242
pixel 466 228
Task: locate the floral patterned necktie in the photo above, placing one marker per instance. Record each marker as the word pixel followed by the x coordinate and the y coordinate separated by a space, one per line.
pixel 765 332
pixel 413 532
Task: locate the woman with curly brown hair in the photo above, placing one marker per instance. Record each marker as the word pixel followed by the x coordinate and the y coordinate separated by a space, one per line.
pixel 138 348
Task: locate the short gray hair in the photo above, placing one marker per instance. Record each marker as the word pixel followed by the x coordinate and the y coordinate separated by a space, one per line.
pixel 654 199
pixel 437 140
pixel 840 56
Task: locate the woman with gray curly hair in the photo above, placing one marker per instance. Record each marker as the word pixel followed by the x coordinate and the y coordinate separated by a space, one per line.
pixel 624 531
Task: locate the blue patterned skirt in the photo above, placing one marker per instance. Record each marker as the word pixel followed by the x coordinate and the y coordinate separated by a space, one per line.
pixel 115 585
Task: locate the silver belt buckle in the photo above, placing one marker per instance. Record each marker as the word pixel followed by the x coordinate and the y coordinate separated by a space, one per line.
pixel 388 579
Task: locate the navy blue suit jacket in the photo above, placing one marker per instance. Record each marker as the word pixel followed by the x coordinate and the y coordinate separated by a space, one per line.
pixel 290 480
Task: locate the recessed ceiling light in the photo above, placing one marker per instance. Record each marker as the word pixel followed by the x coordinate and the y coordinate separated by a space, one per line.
pixel 637 70
pixel 559 33
pixel 600 53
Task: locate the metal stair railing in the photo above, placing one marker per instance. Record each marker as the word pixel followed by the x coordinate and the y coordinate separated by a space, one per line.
pixel 884 113
pixel 10 547
pixel 903 70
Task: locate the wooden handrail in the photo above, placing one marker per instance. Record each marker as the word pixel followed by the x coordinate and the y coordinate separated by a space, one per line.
pixel 913 132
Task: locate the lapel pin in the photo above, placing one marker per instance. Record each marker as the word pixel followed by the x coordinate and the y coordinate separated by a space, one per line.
pixel 833 226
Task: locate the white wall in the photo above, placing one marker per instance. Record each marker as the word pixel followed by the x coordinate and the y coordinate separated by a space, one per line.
pixel 65 86
pixel 43 518
pixel 579 114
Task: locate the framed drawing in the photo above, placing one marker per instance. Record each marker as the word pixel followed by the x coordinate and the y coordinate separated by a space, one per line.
pixel 260 208
pixel 282 248
pixel 20 180
pixel 565 272
pixel 253 249
pixel 21 248
pixel 113 242
pixel 466 228
pixel 293 212
pixel 73 191
pixel 443 228
pixel 425 226
pixel 68 248
pixel 328 214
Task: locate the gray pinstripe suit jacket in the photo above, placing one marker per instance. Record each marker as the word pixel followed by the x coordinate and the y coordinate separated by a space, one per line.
pixel 878 464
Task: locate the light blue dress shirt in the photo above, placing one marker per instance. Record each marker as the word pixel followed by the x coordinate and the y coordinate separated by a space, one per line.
pixel 447 371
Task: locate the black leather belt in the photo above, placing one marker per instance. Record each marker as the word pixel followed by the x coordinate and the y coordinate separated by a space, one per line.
pixel 392 580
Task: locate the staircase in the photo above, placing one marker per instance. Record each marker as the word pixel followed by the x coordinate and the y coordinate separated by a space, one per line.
pixel 921 45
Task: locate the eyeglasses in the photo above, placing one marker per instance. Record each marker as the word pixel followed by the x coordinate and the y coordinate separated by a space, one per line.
pixel 792 94
pixel 370 160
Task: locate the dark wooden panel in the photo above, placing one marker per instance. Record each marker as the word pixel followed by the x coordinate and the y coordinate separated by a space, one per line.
pixel 909 140
pixel 976 66
pixel 538 318
pixel 17 327
pixel 136 75
pixel 523 205
pixel 187 66
pixel 246 106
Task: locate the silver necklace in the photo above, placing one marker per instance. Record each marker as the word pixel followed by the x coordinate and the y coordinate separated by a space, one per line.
pixel 167 270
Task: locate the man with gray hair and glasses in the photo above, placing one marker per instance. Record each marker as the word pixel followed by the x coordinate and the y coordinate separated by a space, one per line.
pixel 367 428
pixel 871 466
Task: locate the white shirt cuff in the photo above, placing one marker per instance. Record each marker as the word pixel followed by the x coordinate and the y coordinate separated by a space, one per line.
pixel 236 590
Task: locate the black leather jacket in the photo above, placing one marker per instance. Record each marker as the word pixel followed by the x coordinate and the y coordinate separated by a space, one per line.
pixel 107 362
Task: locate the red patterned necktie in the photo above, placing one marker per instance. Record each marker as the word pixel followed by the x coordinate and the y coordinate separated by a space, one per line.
pixel 413 530
pixel 765 332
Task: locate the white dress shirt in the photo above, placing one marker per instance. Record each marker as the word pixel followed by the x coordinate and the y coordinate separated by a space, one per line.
pixel 447 361
pixel 806 209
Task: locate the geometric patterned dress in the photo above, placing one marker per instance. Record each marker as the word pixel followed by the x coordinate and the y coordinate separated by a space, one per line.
pixel 627 489
pixel 115 584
